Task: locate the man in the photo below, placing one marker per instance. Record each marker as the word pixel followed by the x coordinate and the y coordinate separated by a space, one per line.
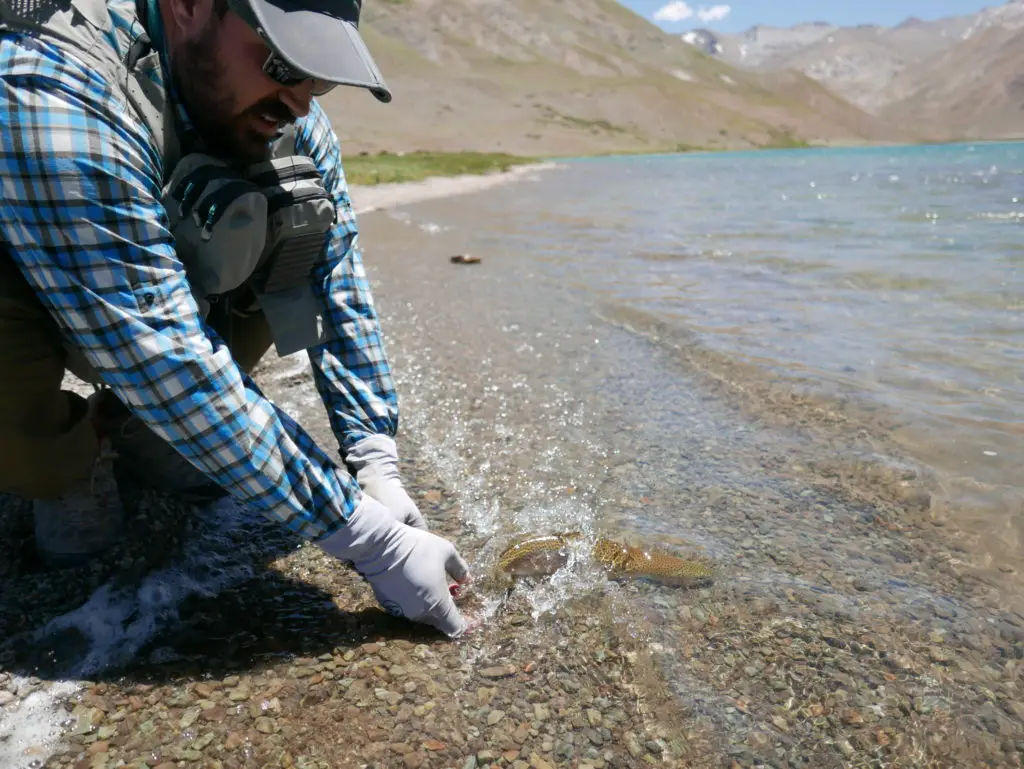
pixel 172 201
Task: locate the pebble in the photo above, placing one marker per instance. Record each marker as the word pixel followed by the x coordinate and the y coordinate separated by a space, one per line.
pixel 498 671
pixel 239 694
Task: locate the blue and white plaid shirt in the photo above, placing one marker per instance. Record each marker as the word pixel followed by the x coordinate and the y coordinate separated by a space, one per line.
pixel 81 214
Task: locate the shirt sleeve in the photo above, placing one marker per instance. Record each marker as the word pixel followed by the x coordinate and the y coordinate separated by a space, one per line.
pixel 81 214
pixel 351 372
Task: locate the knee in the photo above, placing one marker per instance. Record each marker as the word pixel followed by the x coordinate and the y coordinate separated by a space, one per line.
pixel 41 465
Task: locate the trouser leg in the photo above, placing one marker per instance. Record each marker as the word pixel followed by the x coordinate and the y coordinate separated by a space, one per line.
pixel 47 443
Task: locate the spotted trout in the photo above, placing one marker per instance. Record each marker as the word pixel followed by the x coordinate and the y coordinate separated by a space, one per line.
pixel 544 555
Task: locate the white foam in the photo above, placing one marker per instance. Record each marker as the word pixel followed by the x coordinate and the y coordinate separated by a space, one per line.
pixel 117 623
pixel 30 730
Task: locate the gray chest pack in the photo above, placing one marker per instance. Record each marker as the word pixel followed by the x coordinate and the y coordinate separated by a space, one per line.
pixel 254 238
pixel 260 231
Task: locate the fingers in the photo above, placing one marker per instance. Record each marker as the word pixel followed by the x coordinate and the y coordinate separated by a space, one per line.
pixel 446 618
pixel 415 518
pixel 456 566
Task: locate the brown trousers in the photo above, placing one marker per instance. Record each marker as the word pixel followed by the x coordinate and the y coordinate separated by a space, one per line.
pixel 46 441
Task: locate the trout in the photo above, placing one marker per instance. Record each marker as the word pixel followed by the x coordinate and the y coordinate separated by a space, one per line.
pixel 544 555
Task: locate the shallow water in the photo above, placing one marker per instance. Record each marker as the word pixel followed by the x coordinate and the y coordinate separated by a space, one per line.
pixel 884 281
pixel 573 380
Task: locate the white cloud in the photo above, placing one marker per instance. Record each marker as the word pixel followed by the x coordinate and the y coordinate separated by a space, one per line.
pixel 714 13
pixel 680 11
pixel 677 11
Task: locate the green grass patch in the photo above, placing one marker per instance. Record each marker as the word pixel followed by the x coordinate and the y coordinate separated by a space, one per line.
pixel 387 167
pixel 784 140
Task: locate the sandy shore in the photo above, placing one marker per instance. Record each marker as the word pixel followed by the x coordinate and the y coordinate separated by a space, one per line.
pixel 383 196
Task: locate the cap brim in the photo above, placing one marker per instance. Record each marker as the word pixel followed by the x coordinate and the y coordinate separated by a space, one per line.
pixel 320 44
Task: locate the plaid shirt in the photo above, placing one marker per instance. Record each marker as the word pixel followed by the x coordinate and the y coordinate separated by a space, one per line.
pixel 81 214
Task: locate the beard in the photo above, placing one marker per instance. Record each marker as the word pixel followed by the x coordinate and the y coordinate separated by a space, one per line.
pixel 226 131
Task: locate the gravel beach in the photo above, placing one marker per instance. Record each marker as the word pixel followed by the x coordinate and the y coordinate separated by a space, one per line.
pixel 845 628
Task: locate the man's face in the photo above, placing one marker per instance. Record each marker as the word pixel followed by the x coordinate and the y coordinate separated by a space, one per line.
pixel 237 109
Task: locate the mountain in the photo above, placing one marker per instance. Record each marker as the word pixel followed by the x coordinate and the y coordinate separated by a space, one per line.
pixel 567 77
pixel 921 71
pixel 974 89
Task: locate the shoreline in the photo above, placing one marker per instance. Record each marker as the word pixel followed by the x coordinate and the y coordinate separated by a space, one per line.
pixel 379 197
pixel 368 198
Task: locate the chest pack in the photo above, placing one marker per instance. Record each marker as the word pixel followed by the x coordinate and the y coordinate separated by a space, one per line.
pixel 264 228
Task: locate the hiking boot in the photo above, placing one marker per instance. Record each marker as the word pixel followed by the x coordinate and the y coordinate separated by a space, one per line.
pixel 145 456
pixel 85 521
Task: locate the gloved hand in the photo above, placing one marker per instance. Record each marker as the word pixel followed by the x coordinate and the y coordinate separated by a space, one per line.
pixel 375 461
pixel 405 566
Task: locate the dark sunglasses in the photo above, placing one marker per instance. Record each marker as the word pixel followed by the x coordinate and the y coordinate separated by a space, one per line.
pixel 276 67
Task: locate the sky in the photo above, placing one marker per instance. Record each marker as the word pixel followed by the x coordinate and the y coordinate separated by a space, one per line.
pixel 737 15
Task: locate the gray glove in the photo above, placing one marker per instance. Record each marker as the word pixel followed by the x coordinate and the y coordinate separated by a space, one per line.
pixel 375 460
pixel 405 566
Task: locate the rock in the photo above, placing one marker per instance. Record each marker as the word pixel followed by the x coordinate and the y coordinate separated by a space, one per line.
pixel 234 741
pixel 204 690
pixel 465 259
pixel 6 698
pixel 434 745
pixel 214 715
pixel 633 746
pixel 539 763
pixel 266 725
pixel 203 742
pixel 541 712
pixel 594 717
pixel 852 717
pixel 189 717
pixel 470 763
pixel 498 671
pixel 565 751
pixel 494 717
pixel 758 740
pixel 239 694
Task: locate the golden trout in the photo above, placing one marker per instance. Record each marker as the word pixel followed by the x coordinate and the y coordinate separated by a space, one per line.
pixel 544 555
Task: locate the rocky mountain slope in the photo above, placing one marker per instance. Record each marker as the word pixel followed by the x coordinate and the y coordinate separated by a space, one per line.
pixel 573 76
pixel 974 89
pixel 951 77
